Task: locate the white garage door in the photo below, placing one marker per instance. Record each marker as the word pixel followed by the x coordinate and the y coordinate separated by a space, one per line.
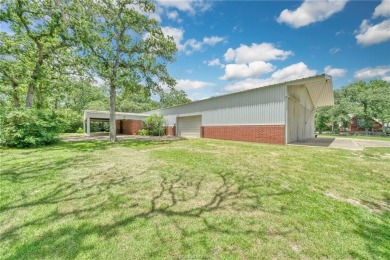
pixel 189 126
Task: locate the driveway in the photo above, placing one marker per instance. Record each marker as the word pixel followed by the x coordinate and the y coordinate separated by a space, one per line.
pixel 343 143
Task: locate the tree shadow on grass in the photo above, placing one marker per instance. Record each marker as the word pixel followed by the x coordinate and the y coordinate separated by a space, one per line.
pixel 177 197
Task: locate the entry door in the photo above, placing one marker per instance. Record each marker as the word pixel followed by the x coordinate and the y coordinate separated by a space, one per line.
pixel 189 126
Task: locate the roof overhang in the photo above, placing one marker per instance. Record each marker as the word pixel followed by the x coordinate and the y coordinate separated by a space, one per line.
pixel 101 115
pixel 320 89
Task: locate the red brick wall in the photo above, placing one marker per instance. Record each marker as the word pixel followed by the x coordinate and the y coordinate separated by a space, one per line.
pixel 131 127
pixel 272 134
pixel 170 130
pixel 118 126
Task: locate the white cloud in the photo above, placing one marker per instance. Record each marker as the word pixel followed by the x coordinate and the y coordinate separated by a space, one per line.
pixel 186 84
pixel 382 72
pixel 334 50
pixel 253 69
pixel 173 15
pixel 193 45
pixel 215 62
pixel 177 35
pixel 229 55
pixel 383 9
pixel 190 45
pixel 213 40
pixel 183 5
pixel 295 71
pixel 155 15
pixel 334 72
pixel 372 34
pixel 386 78
pixel 256 52
pixel 310 12
pixel 190 6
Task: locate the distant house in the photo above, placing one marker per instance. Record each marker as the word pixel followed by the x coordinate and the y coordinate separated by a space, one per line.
pixel 358 124
pixel 279 114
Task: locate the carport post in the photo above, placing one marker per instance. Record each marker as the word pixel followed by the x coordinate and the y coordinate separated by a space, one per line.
pixel 88 126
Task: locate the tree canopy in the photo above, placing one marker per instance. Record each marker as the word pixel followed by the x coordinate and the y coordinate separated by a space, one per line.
pixel 360 100
pixel 76 55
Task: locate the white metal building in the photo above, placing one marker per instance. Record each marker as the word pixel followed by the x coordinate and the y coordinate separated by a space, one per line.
pixel 280 113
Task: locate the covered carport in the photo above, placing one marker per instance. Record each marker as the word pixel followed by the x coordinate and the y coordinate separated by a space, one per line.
pixel 302 101
pixel 126 123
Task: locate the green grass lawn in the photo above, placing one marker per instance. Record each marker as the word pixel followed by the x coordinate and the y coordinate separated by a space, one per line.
pixel 364 137
pixel 194 199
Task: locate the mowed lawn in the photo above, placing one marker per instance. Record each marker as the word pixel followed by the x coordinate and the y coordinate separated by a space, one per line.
pixel 192 199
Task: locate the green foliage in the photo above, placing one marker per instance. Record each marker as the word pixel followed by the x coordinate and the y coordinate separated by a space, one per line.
pixel 322 119
pixel 155 125
pixel 80 131
pixel 143 132
pixel 72 120
pixel 30 128
pixel 38 46
pixel 361 100
pixel 173 98
pixel 136 101
pixel 100 127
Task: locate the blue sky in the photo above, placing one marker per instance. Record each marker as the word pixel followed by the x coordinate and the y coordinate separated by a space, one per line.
pixel 228 46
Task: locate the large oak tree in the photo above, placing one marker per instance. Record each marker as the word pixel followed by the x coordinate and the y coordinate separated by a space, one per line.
pixel 124 47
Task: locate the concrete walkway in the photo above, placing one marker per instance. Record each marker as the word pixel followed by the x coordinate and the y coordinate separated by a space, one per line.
pixel 342 143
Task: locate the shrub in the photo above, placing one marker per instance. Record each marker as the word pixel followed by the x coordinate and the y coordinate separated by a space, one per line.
pixel 100 127
pixel 143 132
pixel 80 131
pixel 30 128
pixel 155 124
pixel 73 120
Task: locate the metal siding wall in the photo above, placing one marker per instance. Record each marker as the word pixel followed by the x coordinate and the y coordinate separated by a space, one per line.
pixel 300 114
pixel 260 106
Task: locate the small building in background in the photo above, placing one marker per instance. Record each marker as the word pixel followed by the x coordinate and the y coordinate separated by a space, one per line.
pixel 360 125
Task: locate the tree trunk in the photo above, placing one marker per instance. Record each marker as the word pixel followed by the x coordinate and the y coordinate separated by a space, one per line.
pixel 39 104
pixel 34 78
pixel 30 96
pixel 112 113
pixel 15 96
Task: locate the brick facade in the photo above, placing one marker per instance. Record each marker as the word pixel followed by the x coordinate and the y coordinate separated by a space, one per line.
pixel 354 126
pixel 129 127
pixel 170 130
pixel 272 134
